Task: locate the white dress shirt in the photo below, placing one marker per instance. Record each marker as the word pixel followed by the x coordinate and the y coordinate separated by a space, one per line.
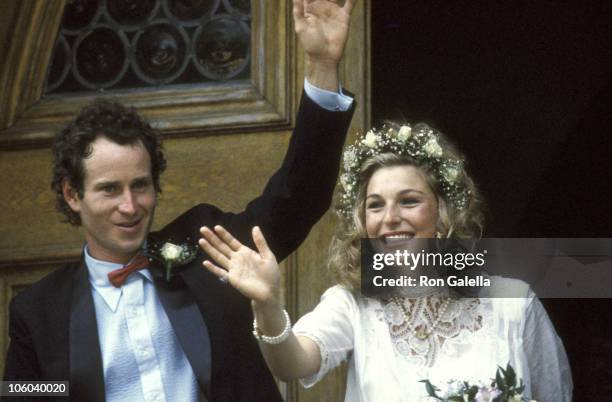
pixel 142 359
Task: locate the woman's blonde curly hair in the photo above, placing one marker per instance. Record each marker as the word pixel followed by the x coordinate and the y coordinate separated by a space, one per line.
pixel 468 222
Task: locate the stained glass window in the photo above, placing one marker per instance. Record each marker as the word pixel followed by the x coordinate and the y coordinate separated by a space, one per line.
pixel 106 45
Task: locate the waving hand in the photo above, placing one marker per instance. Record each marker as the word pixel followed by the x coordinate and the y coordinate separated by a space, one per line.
pixel 322 27
pixel 255 274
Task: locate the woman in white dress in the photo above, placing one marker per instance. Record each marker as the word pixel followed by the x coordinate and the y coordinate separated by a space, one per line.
pixel 398 183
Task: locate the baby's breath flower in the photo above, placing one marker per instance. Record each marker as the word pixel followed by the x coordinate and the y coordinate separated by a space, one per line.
pixel 350 158
pixel 345 180
pixel 451 174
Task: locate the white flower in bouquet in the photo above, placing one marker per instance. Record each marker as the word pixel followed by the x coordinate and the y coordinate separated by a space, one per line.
pixel 486 395
pixel 505 388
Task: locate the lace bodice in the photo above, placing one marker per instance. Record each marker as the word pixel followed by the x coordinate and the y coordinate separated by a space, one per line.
pixel 420 327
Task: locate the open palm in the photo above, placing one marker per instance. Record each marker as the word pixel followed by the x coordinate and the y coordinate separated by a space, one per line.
pixel 255 274
pixel 322 27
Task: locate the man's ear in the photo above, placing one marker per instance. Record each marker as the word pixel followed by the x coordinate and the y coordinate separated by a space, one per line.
pixel 71 195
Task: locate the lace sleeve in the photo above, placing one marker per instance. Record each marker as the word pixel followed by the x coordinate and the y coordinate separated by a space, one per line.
pixel 331 326
pixel 550 375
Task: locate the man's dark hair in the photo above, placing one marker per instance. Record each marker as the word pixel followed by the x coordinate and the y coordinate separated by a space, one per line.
pixel 120 124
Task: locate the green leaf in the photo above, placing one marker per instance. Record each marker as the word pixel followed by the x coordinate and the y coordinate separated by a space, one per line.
pixel 168 271
pixel 510 376
pixel 431 390
pixel 499 381
pixel 472 391
pixel 520 388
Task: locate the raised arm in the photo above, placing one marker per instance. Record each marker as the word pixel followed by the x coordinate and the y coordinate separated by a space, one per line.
pixel 255 274
pixel 299 193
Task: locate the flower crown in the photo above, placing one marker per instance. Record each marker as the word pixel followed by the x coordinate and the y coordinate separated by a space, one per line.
pixel 421 144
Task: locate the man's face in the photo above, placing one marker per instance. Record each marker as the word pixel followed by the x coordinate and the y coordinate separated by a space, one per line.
pixel 118 199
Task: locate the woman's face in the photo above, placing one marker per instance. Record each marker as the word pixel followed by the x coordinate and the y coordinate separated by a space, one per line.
pixel 400 205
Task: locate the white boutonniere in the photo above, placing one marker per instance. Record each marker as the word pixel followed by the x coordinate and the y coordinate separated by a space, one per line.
pixel 170 255
pixel 171 252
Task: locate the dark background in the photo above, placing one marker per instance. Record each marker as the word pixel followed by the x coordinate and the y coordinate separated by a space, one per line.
pixel 525 90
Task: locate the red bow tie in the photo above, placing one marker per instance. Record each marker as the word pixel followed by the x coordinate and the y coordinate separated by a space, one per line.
pixel 118 276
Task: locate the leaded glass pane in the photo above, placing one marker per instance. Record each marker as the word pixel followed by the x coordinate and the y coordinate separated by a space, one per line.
pixel 131 44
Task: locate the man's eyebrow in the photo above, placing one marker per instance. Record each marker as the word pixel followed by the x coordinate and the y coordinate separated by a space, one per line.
pixel 141 179
pixel 104 183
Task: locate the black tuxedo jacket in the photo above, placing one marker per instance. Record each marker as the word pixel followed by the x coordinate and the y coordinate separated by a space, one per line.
pixel 53 327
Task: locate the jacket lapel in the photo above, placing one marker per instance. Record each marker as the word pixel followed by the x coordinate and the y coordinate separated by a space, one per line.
pixel 86 374
pixel 189 327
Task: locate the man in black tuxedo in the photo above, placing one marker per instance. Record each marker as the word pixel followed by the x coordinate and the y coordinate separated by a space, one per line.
pixel 119 333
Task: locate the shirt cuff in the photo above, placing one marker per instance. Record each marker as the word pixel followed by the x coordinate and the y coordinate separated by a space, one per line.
pixel 332 101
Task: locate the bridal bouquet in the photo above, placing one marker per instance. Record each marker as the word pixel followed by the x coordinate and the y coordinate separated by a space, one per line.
pixel 503 388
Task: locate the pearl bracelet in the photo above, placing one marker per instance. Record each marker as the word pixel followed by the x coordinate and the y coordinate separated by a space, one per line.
pixel 273 340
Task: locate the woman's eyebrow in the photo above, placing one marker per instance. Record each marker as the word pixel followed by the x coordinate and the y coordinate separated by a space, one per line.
pixel 406 191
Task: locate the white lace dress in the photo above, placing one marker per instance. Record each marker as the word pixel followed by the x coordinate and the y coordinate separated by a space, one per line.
pixel 472 338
